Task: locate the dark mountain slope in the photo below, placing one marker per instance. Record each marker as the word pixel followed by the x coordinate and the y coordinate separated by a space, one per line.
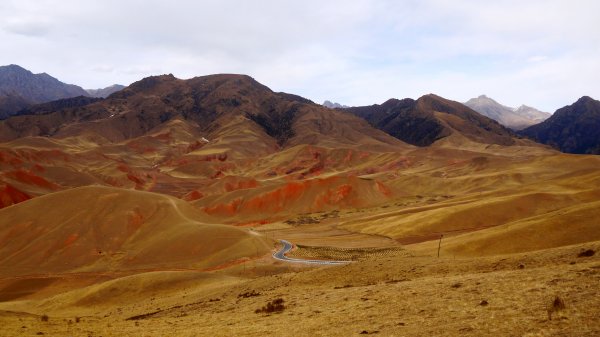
pixel 430 118
pixel 49 107
pixel 209 103
pixel 572 129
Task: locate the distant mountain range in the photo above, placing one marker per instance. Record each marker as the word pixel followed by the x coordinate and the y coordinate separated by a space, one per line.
pixel 516 119
pixel 573 129
pixel 51 107
pixel 20 89
pixel 331 105
pixel 105 92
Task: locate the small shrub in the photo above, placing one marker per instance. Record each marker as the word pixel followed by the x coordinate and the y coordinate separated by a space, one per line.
pixel 44 318
pixel 248 294
pixel 366 332
pixel 586 253
pixel 271 307
pixel 557 305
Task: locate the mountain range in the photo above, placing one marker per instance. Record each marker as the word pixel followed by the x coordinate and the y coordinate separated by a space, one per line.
pixel 514 118
pixel 21 89
pixel 105 92
pixel 418 122
pixel 336 105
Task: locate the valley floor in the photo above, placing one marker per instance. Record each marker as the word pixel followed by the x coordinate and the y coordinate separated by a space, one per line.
pixel 402 293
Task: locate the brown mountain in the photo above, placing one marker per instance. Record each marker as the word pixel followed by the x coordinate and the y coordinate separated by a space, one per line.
pixel 208 102
pixel 573 129
pixel 431 118
pixel 20 88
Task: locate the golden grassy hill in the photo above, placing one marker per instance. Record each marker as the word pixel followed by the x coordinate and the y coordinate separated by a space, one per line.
pixel 103 229
pixel 506 203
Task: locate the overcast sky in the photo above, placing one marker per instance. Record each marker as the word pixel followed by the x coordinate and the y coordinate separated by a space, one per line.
pixel 358 52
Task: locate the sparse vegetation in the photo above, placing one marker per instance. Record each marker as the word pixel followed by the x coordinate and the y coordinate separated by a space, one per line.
pixel 367 332
pixel 272 307
pixel 345 254
pixel 303 220
pixel 306 219
pixel 557 304
pixel 248 294
pixel 44 318
pixel 586 253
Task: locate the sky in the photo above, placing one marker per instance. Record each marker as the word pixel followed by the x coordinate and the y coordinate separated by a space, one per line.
pixel 543 53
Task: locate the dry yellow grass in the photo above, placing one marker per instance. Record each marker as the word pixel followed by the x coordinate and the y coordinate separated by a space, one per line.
pixel 402 294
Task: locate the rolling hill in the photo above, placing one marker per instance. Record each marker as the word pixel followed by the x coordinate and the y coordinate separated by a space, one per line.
pixel 99 229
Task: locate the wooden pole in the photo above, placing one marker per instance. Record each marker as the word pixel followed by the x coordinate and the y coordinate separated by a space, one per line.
pixel 440 244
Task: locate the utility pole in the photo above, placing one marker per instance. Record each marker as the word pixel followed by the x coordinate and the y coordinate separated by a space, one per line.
pixel 440 244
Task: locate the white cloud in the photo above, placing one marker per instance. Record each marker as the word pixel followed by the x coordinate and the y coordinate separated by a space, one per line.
pixel 26 26
pixel 537 58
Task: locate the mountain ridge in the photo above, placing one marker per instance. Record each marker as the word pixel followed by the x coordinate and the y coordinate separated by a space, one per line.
pixel 416 122
pixel 514 118
pixel 21 88
pixel 105 92
pixel 572 129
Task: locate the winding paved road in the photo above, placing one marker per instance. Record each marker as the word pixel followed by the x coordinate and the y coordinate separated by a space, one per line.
pixel 287 246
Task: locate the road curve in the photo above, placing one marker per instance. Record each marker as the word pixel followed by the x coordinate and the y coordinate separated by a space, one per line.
pixel 287 246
